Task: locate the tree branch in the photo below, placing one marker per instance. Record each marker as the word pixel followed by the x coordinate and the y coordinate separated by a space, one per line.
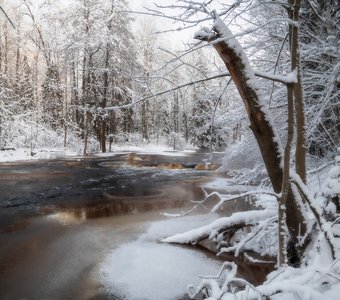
pixel 322 224
pixel 7 17
pixel 112 108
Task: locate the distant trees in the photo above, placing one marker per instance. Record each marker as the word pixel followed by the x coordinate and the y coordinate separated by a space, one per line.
pixel 103 60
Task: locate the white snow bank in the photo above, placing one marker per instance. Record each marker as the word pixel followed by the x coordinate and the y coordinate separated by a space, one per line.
pixel 331 186
pixel 25 154
pixel 333 293
pixel 145 269
pixel 146 149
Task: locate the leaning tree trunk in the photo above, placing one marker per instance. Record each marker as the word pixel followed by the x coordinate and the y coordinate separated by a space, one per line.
pixel 244 78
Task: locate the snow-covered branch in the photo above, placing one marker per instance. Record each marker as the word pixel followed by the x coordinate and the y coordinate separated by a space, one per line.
pixel 236 220
pixel 323 225
pixel 118 107
pixel 239 246
pixel 285 79
pixel 226 198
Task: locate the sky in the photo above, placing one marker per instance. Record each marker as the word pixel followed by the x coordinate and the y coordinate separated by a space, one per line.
pixel 176 37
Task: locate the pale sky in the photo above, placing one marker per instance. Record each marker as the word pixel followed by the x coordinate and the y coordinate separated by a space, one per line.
pixel 177 38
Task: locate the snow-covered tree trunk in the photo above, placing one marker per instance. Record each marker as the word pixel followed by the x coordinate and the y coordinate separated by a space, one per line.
pixel 237 63
pixel 300 152
pixel 282 208
pixel 261 125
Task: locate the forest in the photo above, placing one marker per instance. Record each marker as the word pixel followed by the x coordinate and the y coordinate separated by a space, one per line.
pixel 73 77
pixel 255 79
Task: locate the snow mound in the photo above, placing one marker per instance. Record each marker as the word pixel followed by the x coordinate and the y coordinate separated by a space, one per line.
pixel 25 154
pixel 146 269
pixel 331 186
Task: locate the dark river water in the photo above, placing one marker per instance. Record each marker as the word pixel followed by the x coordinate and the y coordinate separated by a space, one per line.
pixel 59 218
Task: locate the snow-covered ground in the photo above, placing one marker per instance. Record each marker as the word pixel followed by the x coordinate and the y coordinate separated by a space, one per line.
pixel 146 269
pixel 25 154
pixel 145 149
pixel 46 153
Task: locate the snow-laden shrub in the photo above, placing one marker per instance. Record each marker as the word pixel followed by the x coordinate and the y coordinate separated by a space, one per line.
pixel 26 132
pixel 177 141
pixel 243 154
pixel 330 189
pixel 243 161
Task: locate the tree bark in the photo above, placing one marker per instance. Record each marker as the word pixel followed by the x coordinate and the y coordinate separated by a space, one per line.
pixel 300 152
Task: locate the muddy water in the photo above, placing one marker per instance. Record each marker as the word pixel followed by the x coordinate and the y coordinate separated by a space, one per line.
pixel 59 219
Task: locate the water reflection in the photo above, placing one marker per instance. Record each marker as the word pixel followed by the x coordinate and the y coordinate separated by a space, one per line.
pixel 135 202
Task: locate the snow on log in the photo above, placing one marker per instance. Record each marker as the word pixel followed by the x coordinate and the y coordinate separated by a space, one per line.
pixel 221 224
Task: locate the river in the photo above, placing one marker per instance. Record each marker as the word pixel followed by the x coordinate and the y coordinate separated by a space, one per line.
pixel 59 219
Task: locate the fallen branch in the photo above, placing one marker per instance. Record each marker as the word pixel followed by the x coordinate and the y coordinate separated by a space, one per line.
pixel 199 204
pixel 235 221
pixel 250 193
pixel 223 199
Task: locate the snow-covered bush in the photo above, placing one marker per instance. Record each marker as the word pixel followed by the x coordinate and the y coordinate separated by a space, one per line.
pixel 30 134
pixel 330 189
pixel 245 166
pixel 244 154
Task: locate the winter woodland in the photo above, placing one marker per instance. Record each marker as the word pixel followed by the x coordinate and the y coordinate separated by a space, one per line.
pixel 259 79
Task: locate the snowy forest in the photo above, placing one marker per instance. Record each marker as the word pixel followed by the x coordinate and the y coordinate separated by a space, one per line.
pixel 255 80
pixel 73 76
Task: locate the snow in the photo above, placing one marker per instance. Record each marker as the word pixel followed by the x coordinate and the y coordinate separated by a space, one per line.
pixel 142 270
pixel 333 293
pixel 331 186
pixel 52 153
pixel 224 184
pixel 289 78
pixel 25 154
pixel 247 217
pixel 145 149
pixel 315 281
pixel 146 269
